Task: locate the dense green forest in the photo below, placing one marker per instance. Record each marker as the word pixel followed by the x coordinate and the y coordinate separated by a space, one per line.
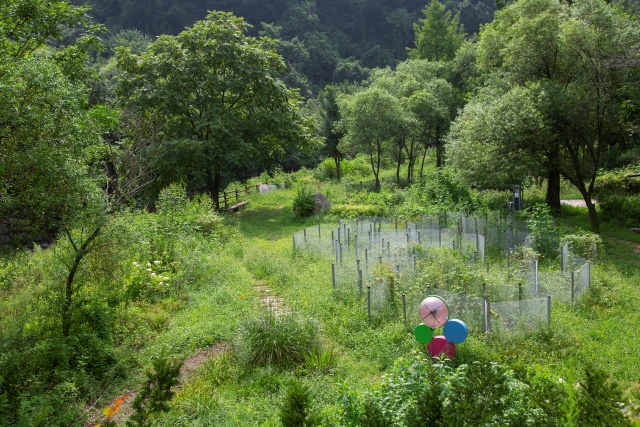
pixel 127 128
pixel 322 42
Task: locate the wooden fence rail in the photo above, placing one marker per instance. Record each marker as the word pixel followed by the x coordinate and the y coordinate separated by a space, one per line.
pixel 233 196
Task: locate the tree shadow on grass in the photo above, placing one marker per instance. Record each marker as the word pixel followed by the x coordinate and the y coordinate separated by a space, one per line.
pixel 267 223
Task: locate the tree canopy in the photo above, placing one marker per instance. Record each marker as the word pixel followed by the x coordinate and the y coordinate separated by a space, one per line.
pixel 217 93
pixel 570 59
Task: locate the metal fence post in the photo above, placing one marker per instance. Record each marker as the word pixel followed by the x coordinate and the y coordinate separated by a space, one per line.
pixel 488 315
pixel 572 286
pixel 333 275
pixel 404 309
pixel 369 303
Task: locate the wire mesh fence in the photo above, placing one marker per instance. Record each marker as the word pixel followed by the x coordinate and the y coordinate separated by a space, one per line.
pixel 376 258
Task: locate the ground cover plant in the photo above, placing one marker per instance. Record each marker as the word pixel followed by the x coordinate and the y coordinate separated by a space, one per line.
pixel 324 362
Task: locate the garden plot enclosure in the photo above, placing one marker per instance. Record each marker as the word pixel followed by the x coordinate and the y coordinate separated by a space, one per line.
pixel 472 262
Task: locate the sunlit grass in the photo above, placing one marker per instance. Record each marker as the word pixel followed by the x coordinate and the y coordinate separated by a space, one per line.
pixel 598 330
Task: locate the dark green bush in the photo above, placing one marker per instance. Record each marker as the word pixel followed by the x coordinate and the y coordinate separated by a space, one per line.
pixel 599 400
pixel 156 392
pixel 438 191
pixel 304 203
pixel 296 406
pixel 619 196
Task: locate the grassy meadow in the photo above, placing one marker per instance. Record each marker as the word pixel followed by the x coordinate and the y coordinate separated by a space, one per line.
pixel 189 286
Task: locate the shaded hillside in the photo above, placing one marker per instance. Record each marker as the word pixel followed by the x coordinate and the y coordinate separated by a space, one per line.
pixel 323 41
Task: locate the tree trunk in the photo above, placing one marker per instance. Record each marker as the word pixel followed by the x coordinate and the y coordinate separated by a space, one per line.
pixel 68 296
pixel 213 187
pixel 424 156
pixel 553 189
pixel 336 159
pixel 398 167
pixel 593 215
pixel 69 290
pixel 439 159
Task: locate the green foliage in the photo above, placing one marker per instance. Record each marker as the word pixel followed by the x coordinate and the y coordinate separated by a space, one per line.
pixel 419 391
pixel 156 392
pixel 304 203
pixel 277 339
pixel 370 119
pixel 36 22
pixel 239 113
pixel 46 132
pixel 439 191
pixel 321 359
pixel 542 231
pixel 497 131
pixel 446 269
pixel 619 196
pixel 357 210
pixel 295 410
pixel 600 400
pixel 495 200
pixel 438 35
pixel 585 244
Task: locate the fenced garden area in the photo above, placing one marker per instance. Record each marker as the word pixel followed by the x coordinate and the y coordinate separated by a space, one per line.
pixel 393 264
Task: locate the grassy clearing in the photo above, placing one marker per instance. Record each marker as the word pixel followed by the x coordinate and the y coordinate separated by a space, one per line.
pixel 598 331
pixel 213 301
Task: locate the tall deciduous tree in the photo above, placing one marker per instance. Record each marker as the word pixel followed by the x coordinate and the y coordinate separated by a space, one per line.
pixel 26 25
pixel 572 53
pixel 329 119
pixel 500 132
pixel 219 95
pixel 371 120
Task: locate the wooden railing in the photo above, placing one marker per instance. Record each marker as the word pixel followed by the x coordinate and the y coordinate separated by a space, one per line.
pixel 232 197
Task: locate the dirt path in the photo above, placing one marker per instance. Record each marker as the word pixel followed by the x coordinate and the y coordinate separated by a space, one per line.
pixel 123 404
pixel 576 202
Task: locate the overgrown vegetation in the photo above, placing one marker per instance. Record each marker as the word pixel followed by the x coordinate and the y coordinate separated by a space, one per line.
pixel 116 259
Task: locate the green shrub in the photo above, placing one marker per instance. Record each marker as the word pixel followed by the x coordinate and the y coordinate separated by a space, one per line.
pixel 599 400
pixel 542 231
pixel 304 203
pixel 277 339
pixel 356 167
pixel 438 191
pixel 418 391
pixel 295 410
pixel 495 200
pixel 354 211
pixel 584 243
pixel 619 196
pixel 619 207
pixel 156 392
pixel 326 170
